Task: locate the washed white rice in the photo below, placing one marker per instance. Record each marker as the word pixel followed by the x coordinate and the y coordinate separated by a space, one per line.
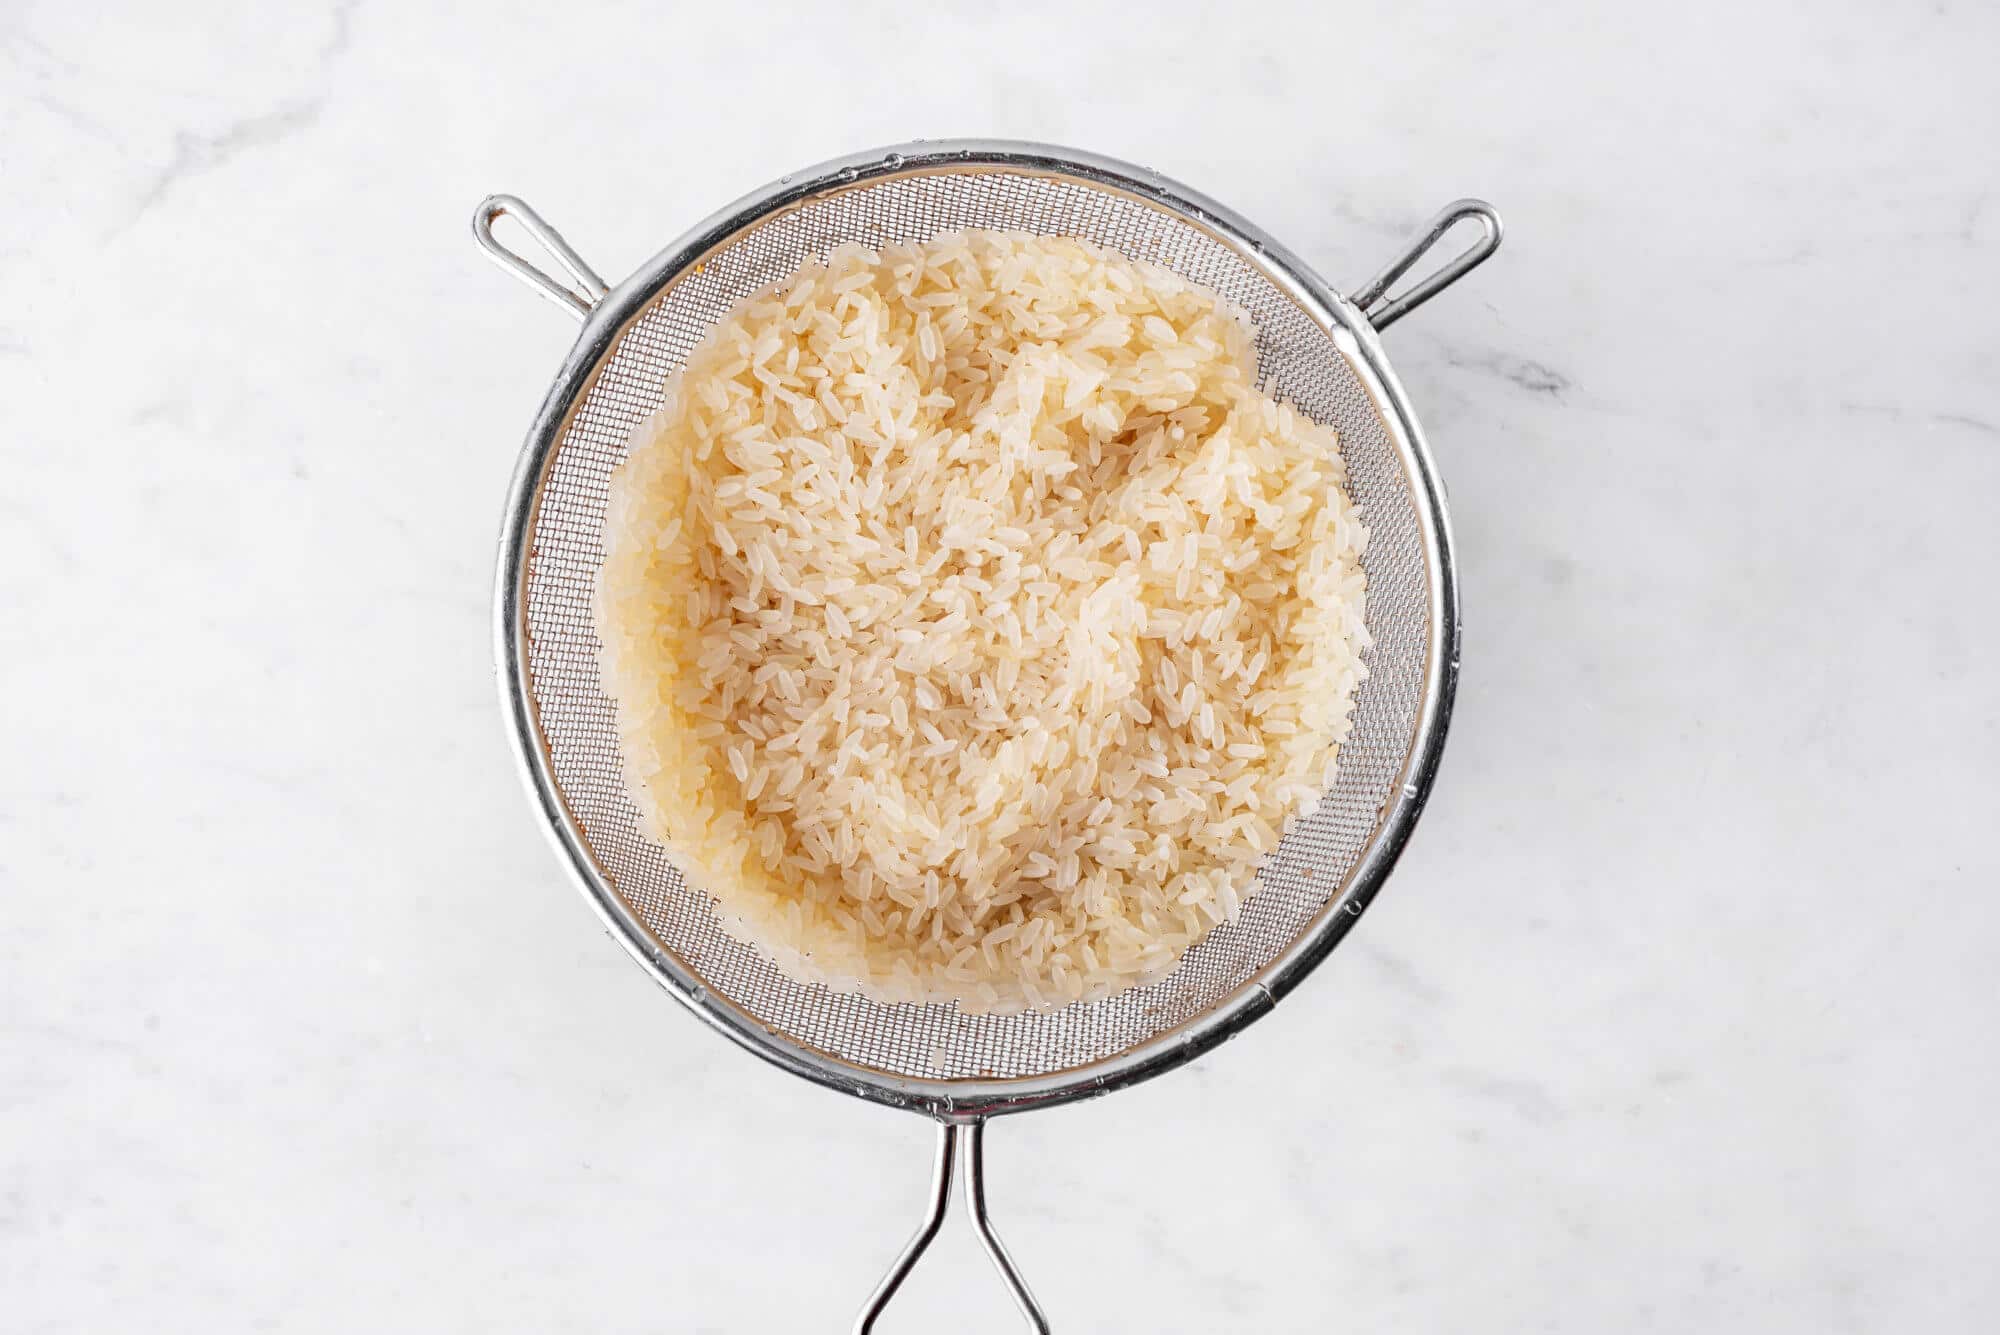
pixel 976 625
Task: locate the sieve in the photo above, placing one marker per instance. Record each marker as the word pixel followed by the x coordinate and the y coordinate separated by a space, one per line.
pixel 1315 347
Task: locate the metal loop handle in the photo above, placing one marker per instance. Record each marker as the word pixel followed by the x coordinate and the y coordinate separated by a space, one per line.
pixel 1387 312
pixel 950 1140
pixel 579 299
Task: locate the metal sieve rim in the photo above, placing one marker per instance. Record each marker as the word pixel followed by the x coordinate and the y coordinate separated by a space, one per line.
pixel 606 313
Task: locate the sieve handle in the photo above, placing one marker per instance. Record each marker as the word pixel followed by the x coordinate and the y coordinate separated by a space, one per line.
pixel 1383 310
pixel 579 297
pixel 952 1139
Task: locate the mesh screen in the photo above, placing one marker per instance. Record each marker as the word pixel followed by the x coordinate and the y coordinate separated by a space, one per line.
pixel 1298 361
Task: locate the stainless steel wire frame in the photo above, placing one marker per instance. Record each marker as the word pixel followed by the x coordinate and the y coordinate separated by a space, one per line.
pixel 1315 347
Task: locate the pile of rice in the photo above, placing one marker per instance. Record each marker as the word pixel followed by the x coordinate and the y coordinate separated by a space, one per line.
pixel 976 625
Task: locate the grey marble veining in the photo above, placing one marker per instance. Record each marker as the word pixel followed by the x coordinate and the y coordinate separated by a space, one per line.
pixel 1678 1015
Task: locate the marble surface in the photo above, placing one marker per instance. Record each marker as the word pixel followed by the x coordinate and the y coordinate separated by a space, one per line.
pixel 1678 1016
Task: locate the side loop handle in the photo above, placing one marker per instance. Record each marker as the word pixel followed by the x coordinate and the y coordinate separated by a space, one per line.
pixel 1383 311
pixel 953 1138
pixel 579 297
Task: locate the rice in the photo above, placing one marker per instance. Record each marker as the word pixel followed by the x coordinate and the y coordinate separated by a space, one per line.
pixel 976 625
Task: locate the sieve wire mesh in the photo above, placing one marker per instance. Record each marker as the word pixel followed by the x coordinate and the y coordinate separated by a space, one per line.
pixel 1298 361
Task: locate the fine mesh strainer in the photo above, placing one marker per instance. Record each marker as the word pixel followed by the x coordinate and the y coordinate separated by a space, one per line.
pixel 1315 347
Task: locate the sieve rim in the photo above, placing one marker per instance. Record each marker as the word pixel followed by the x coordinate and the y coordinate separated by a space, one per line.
pixel 605 321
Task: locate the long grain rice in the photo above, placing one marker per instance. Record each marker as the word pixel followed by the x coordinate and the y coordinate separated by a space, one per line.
pixel 976 624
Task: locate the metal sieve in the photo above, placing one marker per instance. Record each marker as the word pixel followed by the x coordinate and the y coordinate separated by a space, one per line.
pixel 1315 347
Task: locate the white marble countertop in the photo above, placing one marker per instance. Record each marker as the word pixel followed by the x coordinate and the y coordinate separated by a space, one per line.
pixel 1679 1014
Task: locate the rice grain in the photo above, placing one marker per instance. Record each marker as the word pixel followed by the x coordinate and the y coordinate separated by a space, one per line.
pixel 976 624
